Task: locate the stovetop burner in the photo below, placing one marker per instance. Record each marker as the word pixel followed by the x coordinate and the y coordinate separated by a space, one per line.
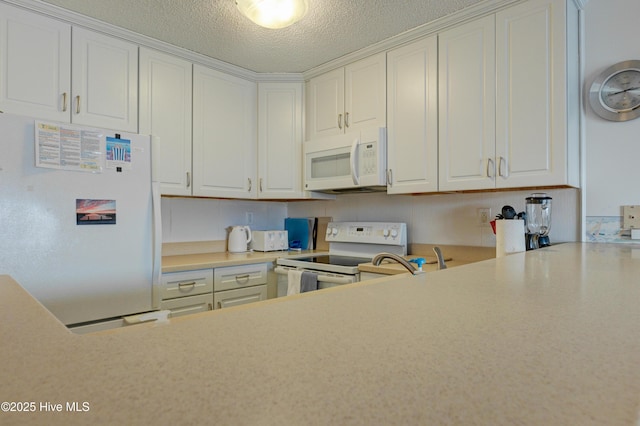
pixel 329 259
pixel 351 244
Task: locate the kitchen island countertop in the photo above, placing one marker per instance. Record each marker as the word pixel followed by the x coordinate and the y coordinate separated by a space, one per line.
pixel 545 337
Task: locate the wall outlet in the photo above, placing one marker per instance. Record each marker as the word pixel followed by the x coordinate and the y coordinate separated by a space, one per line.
pixel 630 217
pixel 484 216
pixel 249 218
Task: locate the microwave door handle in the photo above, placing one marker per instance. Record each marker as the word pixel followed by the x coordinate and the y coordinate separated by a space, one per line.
pixel 354 162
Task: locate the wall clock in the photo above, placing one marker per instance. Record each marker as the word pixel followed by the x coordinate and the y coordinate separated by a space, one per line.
pixel 615 93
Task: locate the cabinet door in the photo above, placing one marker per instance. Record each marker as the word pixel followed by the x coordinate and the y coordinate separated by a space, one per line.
pixel 531 112
pixel 412 112
pixel 467 106
pixel 188 305
pixel 105 81
pixel 185 283
pixel 241 296
pixel 165 113
pixel 35 65
pixel 234 277
pixel 325 115
pixel 365 93
pixel 224 135
pixel 280 140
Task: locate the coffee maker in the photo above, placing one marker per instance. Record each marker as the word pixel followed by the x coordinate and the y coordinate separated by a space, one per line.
pixel 538 220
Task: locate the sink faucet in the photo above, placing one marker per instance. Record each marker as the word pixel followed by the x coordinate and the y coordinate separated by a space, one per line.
pixel 381 256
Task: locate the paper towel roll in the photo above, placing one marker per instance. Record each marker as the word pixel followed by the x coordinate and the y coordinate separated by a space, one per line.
pixel 509 237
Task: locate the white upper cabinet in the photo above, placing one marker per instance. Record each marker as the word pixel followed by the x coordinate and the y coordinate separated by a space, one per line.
pixel 35 64
pixel 412 115
pixel 467 106
pixel 507 115
pixel 534 144
pixel 280 140
pixel 88 79
pixel 347 98
pixel 224 135
pixel 166 113
pixel 105 81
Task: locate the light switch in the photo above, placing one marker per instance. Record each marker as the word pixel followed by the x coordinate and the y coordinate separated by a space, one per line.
pixel 631 217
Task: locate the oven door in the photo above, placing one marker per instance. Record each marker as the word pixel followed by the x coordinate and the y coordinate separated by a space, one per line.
pixel 325 279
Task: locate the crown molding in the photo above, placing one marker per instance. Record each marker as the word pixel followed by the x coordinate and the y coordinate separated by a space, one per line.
pixel 78 20
pixel 433 27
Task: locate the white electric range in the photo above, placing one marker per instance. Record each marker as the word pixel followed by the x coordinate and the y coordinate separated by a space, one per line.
pixel 350 244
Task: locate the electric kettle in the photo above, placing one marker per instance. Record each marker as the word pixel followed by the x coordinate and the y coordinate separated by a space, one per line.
pixel 239 238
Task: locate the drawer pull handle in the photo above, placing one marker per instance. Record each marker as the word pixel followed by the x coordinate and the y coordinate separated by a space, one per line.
pixel 192 284
pixel 244 277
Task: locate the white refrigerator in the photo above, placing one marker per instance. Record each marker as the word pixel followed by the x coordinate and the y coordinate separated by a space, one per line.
pixel 79 218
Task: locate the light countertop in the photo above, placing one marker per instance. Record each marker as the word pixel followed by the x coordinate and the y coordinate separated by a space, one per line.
pixel 549 337
pixel 185 262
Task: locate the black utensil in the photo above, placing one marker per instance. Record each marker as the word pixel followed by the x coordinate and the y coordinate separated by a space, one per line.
pixel 509 212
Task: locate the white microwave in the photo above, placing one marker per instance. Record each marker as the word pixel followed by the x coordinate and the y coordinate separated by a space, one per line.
pixel 355 161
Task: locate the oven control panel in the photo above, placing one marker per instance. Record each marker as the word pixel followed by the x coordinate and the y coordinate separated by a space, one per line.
pixel 367 232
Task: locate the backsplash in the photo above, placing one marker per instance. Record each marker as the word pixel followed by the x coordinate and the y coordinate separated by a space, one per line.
pixel 204 219
pixel 606 229
pixel 446 218
pixel 431 219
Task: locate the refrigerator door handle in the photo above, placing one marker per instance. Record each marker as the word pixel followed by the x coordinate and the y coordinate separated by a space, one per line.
pixel 157 242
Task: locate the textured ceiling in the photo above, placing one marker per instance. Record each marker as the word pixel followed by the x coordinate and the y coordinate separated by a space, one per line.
pixel 215 28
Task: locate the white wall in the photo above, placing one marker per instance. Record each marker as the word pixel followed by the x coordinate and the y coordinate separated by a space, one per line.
pixel 612 148
pixel 444 218
pixel 436 218
pixel 201 219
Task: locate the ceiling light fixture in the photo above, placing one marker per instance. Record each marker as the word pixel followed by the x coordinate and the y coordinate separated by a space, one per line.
pixel 273 13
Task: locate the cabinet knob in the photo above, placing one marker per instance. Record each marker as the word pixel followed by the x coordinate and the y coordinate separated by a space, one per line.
pixel 340 121
pixel 64 102
pixel 78 104
pixel 346 119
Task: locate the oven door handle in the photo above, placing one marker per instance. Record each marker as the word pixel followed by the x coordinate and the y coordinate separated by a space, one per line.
pixel 334 279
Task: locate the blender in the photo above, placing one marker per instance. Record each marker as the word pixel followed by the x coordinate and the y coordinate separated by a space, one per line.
pixel 538 217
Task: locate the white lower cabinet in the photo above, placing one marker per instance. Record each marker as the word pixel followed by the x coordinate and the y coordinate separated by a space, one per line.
pixel 241 296
pixel 186 292
pixel 187 305
pixel 239 285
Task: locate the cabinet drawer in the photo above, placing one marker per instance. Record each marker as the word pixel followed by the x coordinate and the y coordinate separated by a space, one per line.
pixel 187 283
pixel 188 305
pixel 233 277
pixel 240 296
